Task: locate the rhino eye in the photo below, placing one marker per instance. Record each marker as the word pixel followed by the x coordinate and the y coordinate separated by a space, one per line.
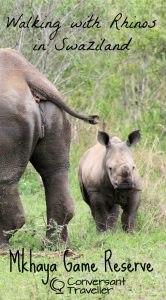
pixel 133 167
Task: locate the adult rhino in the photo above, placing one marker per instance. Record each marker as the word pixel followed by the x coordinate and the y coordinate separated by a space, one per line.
pixel 21 128
pixel 108 178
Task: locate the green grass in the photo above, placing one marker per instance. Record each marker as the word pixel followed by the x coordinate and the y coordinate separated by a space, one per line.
pixel 146 245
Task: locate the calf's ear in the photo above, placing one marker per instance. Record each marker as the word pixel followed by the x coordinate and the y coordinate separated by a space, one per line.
pixel 133 138
pixel 103 138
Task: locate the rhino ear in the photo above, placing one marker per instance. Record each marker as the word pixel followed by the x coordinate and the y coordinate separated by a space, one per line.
pixel 103 138
pixel 133 138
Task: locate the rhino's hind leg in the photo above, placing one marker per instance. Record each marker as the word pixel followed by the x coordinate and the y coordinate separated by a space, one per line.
pixel 51 159
pixel 60 207
pixel 12 215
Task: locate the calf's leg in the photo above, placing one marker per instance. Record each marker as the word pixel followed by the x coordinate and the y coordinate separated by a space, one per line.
pixel 105 215
pixel 129 212
pixel 113 216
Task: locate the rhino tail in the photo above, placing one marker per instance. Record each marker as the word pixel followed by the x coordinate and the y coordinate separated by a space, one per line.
pixel 42 87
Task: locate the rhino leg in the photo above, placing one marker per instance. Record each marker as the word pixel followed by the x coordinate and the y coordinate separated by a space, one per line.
pixel 12 215
pixel 105 215
pixel 128 220
pixel 113 216
pixel 51 159
pixel 15 147
pixel 59 202
pixel 129 213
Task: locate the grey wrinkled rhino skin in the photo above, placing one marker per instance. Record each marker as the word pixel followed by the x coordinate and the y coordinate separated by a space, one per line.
pixel 108 179
pixel 20 132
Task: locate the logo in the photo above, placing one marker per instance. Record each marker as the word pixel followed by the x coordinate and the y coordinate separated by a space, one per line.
pixel 57 285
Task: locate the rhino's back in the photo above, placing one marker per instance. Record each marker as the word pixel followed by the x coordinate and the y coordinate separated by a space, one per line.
pixel 91 166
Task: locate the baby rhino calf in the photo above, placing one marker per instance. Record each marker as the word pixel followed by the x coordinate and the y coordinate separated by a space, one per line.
pixel 108 178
